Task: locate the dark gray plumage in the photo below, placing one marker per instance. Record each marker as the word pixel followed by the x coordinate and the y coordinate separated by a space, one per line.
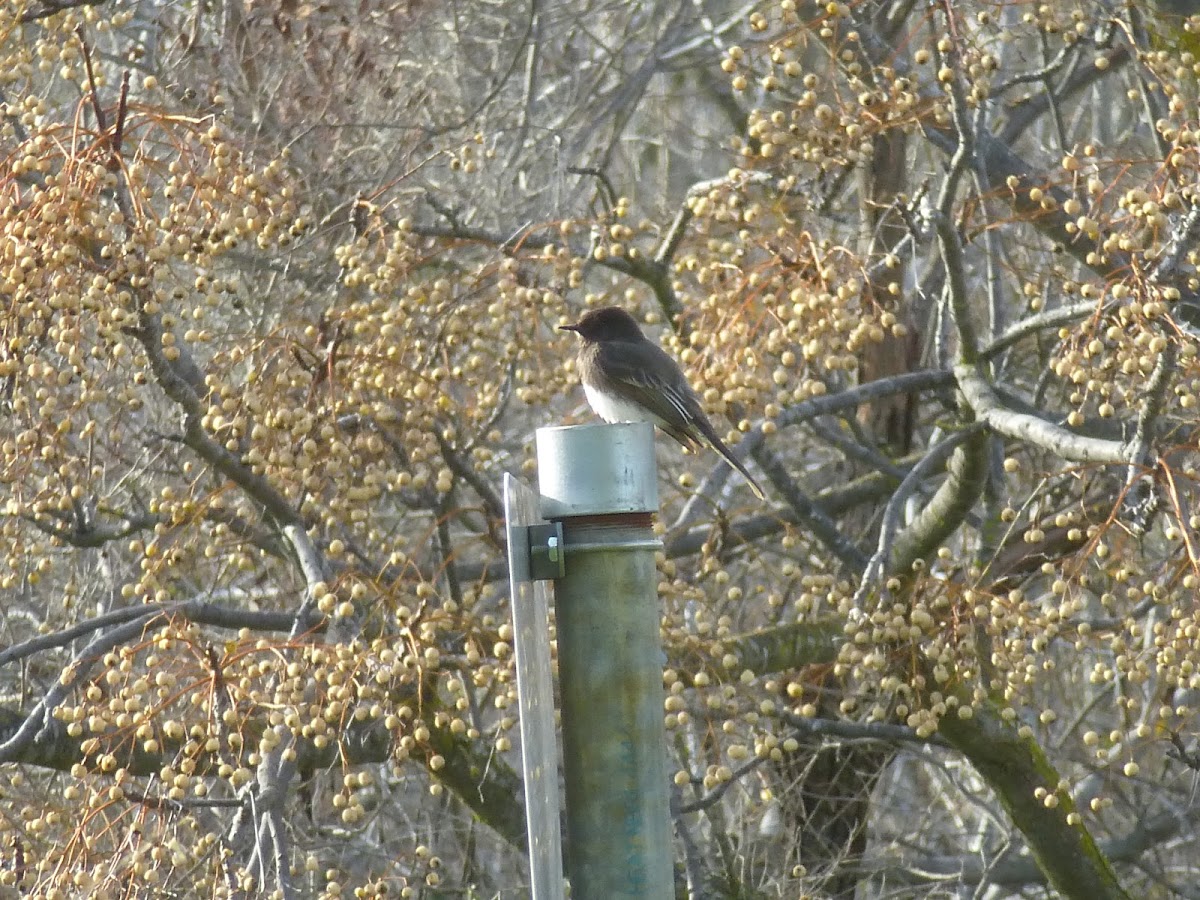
pixel 628 378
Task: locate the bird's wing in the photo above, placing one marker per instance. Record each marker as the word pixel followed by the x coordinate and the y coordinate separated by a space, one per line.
pixel 630 371
pixel 630 368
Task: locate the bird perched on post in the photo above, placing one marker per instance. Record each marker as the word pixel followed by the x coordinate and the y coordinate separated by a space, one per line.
pixel 628 378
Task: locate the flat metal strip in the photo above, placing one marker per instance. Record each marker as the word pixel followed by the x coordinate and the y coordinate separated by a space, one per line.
pixel 535 695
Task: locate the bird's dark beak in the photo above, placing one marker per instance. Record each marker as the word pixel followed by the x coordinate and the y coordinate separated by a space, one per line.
pixel 574 328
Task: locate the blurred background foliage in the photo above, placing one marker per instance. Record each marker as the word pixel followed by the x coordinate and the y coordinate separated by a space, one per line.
pixel 279 292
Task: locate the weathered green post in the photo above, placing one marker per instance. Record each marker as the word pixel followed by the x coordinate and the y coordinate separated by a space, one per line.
pixel 600 483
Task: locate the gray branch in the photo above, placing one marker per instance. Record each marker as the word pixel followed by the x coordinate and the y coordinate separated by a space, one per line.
pixel 986 406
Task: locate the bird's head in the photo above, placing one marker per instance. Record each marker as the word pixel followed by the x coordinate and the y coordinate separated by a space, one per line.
pixel 608 324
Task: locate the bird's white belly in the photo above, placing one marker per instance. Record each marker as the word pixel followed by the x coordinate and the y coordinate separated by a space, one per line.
pixel 617 409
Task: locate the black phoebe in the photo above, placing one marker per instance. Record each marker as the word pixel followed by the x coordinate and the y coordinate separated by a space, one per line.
pixel 628 378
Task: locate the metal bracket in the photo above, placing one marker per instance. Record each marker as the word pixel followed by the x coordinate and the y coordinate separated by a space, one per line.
pixel 547 559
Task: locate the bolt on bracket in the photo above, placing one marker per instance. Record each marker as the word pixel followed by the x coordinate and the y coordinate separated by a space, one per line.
pixel 547 559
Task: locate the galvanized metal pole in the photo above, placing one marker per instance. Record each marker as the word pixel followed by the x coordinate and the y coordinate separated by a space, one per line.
pixel 600 482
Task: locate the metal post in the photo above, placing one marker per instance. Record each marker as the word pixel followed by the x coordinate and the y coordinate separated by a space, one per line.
pixel 599 481
pixel 528 573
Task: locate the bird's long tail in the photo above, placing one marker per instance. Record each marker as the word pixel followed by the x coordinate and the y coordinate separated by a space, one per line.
pixel 727 455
